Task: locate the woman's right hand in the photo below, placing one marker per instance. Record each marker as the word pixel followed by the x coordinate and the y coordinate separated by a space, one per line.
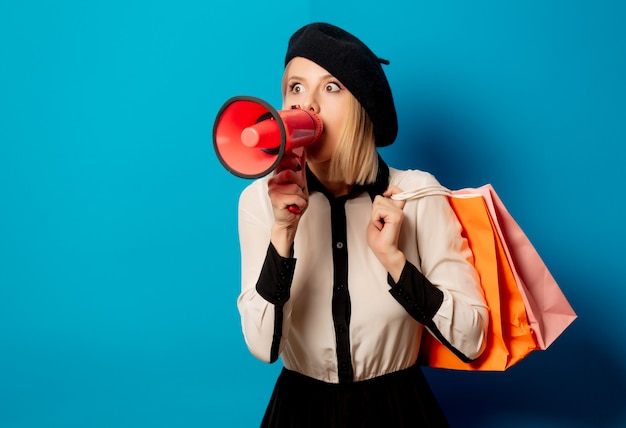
pixel 289 195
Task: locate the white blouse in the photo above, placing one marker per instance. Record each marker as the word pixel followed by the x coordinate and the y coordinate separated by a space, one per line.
pixel 382 331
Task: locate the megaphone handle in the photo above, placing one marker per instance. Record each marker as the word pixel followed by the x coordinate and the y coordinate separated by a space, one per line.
pixel 299 153
pixel 294 209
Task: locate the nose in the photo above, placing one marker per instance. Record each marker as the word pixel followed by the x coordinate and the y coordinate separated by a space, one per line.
pixel 311 104
pixel 314 107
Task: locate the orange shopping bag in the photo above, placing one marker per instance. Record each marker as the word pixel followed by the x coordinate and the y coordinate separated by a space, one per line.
pixel 509 337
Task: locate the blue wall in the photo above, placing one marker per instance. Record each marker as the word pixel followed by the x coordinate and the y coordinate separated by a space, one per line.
pixel 119 264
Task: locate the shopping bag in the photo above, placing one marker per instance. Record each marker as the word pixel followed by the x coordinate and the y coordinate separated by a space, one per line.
pixel 527 309
pixel 509 335
pixel 549 311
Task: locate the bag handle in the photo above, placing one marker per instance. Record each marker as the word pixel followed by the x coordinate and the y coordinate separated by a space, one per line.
pixel 433 190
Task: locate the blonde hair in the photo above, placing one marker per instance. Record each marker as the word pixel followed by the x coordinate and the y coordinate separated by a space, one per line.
pixel 355 160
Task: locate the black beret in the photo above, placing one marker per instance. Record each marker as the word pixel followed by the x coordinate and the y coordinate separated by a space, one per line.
pixel 355 65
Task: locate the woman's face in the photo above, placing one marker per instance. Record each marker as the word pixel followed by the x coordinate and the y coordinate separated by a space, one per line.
pixel 311 87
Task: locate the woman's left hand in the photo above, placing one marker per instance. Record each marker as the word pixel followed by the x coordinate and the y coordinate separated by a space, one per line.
pixel 383 231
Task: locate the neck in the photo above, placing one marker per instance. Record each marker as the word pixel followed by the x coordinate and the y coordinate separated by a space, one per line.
pixel 335 188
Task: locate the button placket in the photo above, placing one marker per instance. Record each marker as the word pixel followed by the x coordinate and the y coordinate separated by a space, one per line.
pixel 341 296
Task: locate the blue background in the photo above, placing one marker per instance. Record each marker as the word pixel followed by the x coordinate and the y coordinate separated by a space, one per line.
pixel 119 263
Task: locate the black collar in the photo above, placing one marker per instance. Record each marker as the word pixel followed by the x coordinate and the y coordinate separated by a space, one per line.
pixel 376 188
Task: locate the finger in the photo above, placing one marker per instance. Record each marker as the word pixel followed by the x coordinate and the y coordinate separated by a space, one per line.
pixel 293 203
pixel 288 176
pixel 289 162
pixel 287 188
pixel 385 210
pixel 378 215
pixel 393 190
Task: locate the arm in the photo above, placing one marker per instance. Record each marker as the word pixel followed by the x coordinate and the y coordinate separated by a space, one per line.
pixel 266 233
pixel 444 294
pixel 461 321
pixel 260 302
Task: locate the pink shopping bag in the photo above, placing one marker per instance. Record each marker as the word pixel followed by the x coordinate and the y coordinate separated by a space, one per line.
pixel 548 310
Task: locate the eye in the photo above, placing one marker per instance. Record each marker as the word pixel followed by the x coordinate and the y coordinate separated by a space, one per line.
pixel 332 87
pixel 296 88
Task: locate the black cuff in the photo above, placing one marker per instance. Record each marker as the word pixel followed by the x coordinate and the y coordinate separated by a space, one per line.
pixel 416 294
pixel 274 283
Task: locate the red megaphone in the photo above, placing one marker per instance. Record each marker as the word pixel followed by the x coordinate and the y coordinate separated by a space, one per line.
pixel 250 137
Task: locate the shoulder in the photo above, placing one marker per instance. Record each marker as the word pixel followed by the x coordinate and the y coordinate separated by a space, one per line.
pixel 411 179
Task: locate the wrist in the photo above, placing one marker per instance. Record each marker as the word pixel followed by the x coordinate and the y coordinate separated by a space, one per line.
pixel 394 264
pixel 283 238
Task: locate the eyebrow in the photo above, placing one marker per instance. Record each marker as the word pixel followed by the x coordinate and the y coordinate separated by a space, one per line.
pixel 326 76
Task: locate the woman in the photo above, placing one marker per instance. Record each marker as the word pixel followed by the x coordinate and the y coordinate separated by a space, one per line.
pixel 341 291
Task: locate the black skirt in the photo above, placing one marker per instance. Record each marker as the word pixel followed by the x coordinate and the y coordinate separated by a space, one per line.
pixel 396 400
